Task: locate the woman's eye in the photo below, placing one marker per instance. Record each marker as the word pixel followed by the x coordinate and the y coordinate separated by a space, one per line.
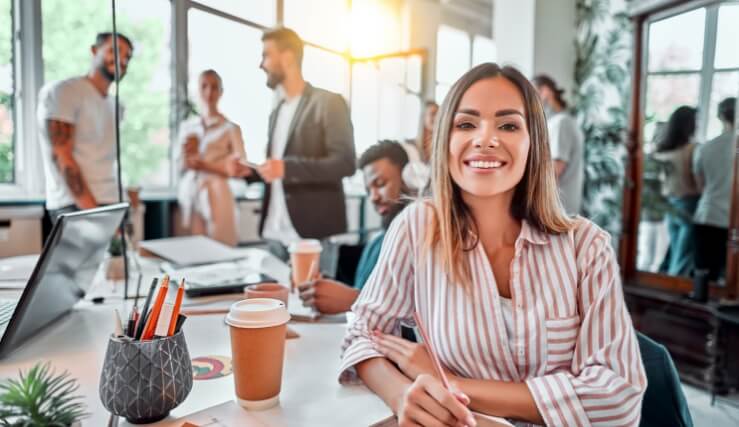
pixel 509 127
pixel 465 125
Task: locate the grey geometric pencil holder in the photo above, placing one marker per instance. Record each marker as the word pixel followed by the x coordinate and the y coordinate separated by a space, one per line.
pixel 143 380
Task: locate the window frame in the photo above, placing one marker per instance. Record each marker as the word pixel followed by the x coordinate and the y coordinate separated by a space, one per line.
pixel 707 71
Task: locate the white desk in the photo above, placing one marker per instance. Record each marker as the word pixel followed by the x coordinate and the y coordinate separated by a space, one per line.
pixel 311 394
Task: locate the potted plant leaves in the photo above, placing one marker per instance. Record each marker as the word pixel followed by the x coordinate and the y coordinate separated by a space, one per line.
pixel 114 269
pixel 40 397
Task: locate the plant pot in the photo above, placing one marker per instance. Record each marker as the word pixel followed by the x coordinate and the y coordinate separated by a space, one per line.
pixel 114 268
pixel 143 381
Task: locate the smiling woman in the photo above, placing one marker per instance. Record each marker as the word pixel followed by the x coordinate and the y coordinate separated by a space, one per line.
pixel 523 305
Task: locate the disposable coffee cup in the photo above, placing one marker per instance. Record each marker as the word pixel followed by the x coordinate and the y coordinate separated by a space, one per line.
pixel 267 290
pixel 258 328
pixel 303 255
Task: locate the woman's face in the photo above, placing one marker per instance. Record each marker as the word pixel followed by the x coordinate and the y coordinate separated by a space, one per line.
pixel 489 141
pixel 210 89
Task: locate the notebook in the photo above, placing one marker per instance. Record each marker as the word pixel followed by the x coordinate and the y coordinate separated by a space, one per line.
pixel 191 250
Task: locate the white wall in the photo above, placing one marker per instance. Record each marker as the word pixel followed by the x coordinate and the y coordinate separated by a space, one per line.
pixel 554 45
pixel 513 31
pixel 537 36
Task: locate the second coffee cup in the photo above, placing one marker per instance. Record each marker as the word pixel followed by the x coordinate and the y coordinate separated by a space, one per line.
pixel 304 255
pixel 267 290
pixel 258 328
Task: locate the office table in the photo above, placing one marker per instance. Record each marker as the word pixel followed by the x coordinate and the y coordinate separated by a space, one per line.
pixel 311 394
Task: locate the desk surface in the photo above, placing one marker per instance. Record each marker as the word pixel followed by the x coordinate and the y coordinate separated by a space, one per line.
pixel 311 394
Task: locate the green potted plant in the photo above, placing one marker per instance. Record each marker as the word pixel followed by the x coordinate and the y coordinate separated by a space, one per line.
pixel 40 397
pixel 114 264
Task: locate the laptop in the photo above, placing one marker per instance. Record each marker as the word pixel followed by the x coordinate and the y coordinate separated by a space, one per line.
pixel 63 273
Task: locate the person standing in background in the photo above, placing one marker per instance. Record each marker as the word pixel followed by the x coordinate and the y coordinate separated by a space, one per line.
pixel 207 143
pixel 676 148
pixel 567 144
pixel 713 164
pixel 310 150
pixel 76 122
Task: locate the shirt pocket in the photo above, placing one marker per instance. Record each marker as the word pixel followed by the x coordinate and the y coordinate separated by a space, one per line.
pixel 561 337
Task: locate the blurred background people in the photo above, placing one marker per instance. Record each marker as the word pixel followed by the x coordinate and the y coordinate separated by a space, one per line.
pixel 675 149
pixel 76 122
pixel 209 144
pixel 713 163
pixel 567 144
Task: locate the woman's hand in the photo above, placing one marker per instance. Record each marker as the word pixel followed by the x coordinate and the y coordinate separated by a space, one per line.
pixel 427 403
pixel 411 358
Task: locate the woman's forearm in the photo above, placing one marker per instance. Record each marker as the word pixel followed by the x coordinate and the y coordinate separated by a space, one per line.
pixel 500 398
pixel 383 378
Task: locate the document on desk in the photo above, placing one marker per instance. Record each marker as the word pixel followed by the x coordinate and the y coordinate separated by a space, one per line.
pixel 191 250
pixel 227 414
pixel 16 269
pixel 482 421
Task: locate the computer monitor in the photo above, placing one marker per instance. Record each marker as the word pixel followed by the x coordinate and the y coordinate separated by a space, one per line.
pixel 64 272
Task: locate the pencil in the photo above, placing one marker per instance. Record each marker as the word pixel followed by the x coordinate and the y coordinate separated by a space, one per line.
pixel 434 359
pixel 151 322
pixel 176 309
pixel 144 312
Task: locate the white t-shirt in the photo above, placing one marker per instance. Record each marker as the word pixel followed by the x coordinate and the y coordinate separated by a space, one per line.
pixel 566 142
pixel 713 163
pixel 277 224
pixel 78 102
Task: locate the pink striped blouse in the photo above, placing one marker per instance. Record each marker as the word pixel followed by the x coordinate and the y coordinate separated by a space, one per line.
pixel 572 343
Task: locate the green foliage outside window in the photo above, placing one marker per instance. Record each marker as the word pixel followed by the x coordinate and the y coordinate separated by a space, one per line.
pixel 69 29
pixel 6 98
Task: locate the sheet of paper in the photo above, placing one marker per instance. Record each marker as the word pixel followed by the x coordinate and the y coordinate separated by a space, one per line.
pixel 17 268
pixel 227 414
pixel 482 421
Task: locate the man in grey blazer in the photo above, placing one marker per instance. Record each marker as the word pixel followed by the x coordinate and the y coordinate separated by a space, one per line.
pixel 310 149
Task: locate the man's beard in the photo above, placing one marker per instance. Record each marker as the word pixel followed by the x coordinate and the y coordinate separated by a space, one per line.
pixel 395 209
pixel 107 74
pixel 274 79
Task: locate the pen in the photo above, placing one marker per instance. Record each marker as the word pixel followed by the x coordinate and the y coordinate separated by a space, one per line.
pixel 131 326
pixel 176 309
pixel 162 326
pixel 118 325
pixel 142 317
pixel 151 322
pixel 432 354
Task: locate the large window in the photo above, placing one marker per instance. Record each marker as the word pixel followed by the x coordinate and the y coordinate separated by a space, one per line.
pixel 692 60
pixel 386 100
pixel 68 32
pixel 246 99
pixel 456 52
pixel 343 54
pixel 7 164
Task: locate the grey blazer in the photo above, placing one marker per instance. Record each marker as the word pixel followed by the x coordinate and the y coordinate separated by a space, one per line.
pixel 318 154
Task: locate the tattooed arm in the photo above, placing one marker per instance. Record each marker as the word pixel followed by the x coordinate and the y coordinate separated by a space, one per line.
pixel 62 144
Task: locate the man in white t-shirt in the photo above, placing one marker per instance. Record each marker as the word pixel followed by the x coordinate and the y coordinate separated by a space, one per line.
pixel 76 121
pixel 566 142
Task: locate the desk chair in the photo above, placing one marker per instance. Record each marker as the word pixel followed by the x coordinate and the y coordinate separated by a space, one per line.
pixel 664 402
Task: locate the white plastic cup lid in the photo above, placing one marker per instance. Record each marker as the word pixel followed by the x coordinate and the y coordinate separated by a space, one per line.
pixel 257 313
pixel 310 246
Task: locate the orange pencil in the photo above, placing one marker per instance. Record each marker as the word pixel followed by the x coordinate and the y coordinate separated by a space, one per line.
pixel 176 309
pixel 151 322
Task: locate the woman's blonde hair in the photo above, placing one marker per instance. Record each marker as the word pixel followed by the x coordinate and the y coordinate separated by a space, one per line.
pixel 535 199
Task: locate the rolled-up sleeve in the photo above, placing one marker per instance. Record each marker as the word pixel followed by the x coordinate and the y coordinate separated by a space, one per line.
pixel 606 381
pixel 386 298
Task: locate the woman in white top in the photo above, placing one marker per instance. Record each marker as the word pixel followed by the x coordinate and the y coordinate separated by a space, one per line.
pixel 675 148
pixel 523 305
pixel 207 143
